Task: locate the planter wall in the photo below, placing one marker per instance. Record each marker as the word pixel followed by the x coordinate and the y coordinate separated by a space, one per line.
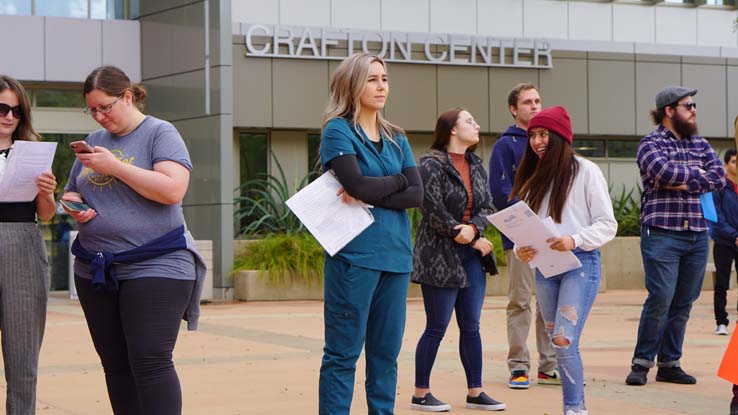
pixel 622 269
pixel 249 286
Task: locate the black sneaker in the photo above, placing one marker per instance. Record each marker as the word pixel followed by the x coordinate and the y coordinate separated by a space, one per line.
pixel 484 402
pixel 429 403
pixel 638 375
pixel 674 375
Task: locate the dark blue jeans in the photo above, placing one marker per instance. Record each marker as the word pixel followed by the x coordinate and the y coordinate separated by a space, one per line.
pixel 674 262
pixel 439 304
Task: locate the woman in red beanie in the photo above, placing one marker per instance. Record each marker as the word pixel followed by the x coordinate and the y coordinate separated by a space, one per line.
pixel 556 182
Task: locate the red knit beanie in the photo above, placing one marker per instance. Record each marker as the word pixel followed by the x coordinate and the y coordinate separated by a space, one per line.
pixel 555 119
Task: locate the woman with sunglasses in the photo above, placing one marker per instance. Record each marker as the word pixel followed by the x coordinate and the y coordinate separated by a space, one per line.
pixel 24 269
pixel 136 270
pixel 554 181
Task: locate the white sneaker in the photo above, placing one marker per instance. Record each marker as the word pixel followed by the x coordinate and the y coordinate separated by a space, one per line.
pixel 571 412
pixel 721 330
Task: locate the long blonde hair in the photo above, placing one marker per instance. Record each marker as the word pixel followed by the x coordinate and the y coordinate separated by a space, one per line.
pixel 347 85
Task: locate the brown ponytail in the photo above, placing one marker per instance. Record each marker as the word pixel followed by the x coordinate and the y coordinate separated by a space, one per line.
pixel 114 82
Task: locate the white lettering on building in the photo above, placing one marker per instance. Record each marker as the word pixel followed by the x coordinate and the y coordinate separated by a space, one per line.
pixel 278 41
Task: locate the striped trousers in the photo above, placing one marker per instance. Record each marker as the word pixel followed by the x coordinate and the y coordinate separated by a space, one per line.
pixel 24 287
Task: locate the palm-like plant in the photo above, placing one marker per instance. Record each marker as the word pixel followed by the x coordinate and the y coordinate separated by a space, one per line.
pixel 627 210
pixel 259 204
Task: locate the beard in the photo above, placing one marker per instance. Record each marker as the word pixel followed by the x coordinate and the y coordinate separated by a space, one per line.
pixel 684 127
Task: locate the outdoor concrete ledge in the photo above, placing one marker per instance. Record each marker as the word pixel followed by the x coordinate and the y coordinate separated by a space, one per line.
pixel 263 358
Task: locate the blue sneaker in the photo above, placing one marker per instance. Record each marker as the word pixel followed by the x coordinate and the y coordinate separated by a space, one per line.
pixel 518 380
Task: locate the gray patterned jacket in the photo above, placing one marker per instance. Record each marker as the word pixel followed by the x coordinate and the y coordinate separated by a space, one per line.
pixel 435 261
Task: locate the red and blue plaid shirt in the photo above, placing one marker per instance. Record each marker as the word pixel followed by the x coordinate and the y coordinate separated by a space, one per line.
pixel 664 161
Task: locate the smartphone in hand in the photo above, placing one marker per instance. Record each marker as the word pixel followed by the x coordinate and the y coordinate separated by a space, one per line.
pixel 74 206
pixel 80 147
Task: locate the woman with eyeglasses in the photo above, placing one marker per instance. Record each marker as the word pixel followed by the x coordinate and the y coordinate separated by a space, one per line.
pixel 136 270
pixel 447 260
pixel 554 181
pixel 24 269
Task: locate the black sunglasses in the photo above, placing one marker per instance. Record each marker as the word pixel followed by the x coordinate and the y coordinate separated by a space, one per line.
pixel 5 109
pixel 689 106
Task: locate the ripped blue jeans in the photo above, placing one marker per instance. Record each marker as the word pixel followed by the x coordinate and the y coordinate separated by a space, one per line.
pixel 565 301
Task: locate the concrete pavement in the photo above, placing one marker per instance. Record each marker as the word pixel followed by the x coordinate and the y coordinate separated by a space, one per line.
pixel 263 358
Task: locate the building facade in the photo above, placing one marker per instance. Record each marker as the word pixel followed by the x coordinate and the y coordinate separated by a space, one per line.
pixel 245 81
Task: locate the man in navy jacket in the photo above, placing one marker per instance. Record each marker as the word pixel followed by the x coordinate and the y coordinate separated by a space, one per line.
pixel 524 102
pixel 725 235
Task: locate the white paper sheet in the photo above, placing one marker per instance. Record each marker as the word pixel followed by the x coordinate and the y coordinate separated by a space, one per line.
pixel 522 226
pixel 27 160
pixel 331 221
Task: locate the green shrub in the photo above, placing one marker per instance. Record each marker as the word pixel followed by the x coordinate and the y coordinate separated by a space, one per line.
pixel 627 210
pixel 283 256
pixel 259 205
pixel 494 236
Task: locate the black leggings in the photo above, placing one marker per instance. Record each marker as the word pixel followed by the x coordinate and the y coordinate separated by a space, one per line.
pixel 134 331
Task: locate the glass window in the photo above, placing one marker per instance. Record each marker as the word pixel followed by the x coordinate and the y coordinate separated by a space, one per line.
pixel 64 157
pixel 99 9
pixel 314 152
pixel 107 9
pixel 56 231
pixel 253 159
pixel 133 9
pixel 253 155
pixel 18 7
pixel 66 8
pixel 64 98
pixel 622 148
pixel 590 148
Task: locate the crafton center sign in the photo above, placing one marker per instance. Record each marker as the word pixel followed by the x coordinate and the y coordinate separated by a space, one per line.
pixel 278 41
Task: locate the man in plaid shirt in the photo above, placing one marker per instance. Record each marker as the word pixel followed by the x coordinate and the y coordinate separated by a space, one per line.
pixel 676 167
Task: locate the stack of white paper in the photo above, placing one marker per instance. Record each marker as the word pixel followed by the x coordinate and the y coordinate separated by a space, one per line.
pixel 331 221
pixel 27 160
pixel 522 226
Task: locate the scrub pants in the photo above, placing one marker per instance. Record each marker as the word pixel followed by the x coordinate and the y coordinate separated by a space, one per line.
pixel 363 307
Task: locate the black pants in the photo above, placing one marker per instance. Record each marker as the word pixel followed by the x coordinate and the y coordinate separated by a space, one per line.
pixel 134 331
pixel 724 258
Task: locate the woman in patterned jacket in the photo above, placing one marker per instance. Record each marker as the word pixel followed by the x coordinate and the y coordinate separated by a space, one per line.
pixel 447 260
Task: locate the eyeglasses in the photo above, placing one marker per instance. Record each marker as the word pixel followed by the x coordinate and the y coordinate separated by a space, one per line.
pixel 471 122
pixel 102 109
pixel 16 110
pixel 689 105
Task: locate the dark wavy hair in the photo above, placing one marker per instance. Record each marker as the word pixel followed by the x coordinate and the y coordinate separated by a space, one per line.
pixel 25 129
pixel 555 171
pixel 445 123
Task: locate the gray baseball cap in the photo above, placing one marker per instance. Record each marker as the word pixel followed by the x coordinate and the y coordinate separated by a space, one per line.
pixel 671 94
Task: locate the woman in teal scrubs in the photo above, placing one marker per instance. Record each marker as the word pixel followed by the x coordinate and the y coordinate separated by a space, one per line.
pixel 366 282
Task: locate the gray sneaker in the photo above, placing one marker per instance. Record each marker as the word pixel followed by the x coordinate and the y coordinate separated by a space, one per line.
pixel 429 403
pixel 484 402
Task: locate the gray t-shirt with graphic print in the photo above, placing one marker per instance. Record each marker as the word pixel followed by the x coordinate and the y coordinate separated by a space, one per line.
pixel 125 219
